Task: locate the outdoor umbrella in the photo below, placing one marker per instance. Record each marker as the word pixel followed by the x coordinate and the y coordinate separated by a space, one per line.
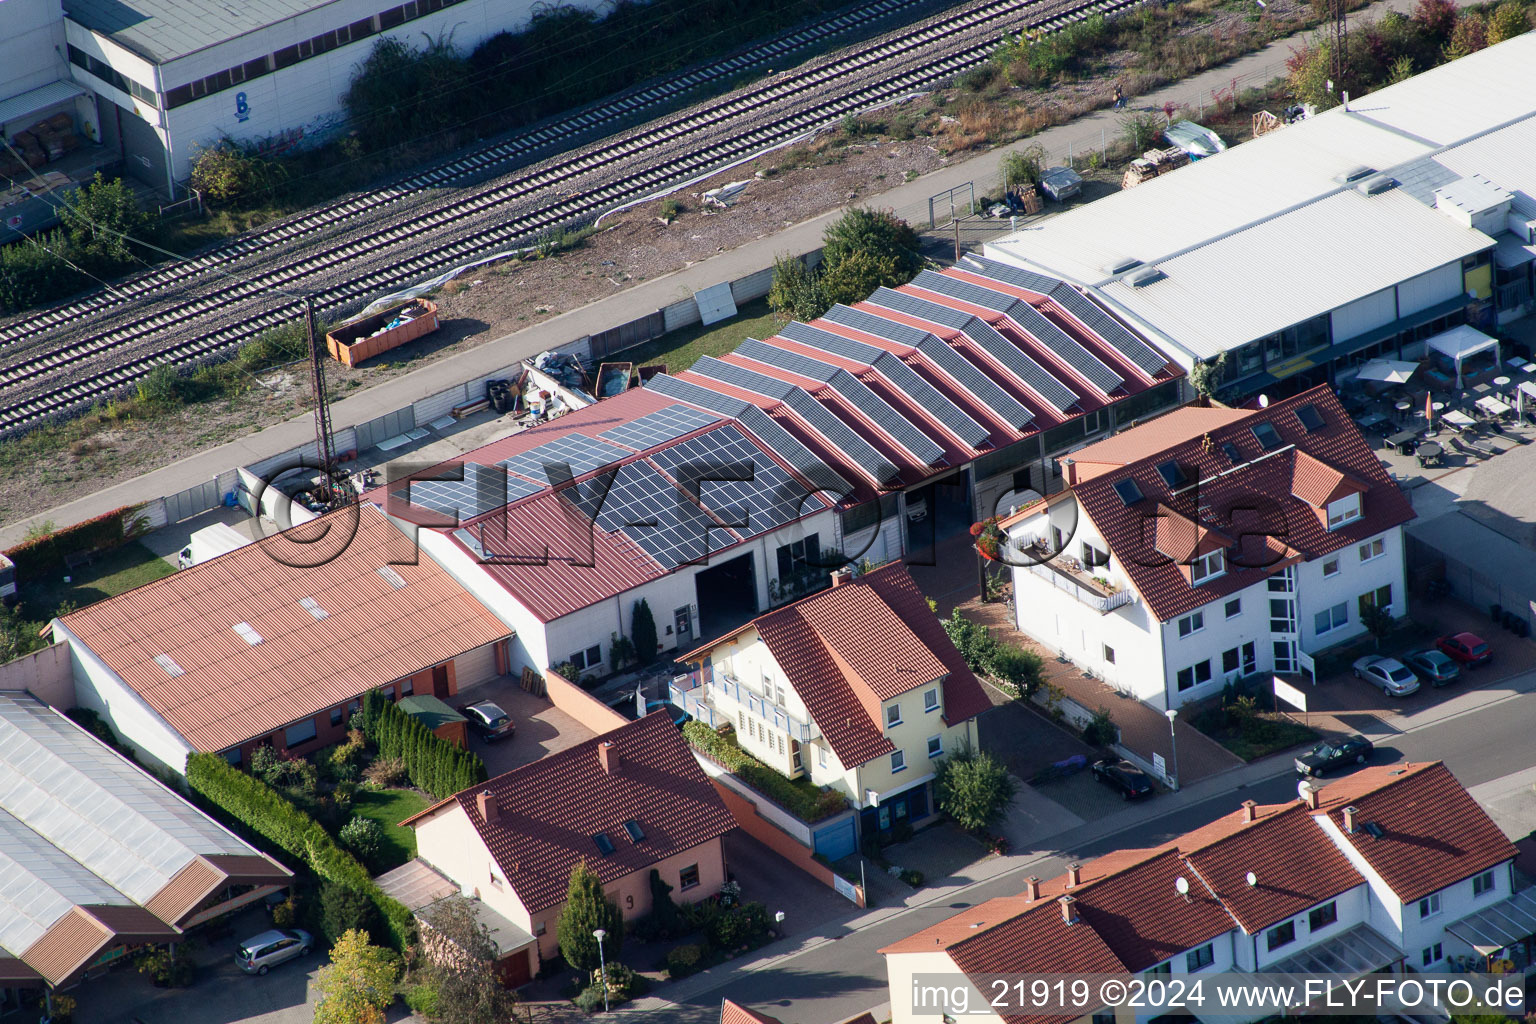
pixel 1391 371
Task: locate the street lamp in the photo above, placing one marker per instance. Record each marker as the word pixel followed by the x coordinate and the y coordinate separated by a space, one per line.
pixel 602 964
pixel 1173 740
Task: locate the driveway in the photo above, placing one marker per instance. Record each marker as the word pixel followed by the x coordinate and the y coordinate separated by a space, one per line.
pixel 542 728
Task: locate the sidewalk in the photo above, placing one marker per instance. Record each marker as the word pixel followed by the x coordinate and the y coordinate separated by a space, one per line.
pixel 909 200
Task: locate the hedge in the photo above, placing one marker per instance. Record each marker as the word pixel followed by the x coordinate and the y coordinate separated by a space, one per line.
pixel 41 555
pixel 433 764
pixel 803 799
pixel 261 808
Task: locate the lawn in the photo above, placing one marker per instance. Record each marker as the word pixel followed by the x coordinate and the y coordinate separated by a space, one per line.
pixel 682 348
pixel 115 572
pixel 389 807
pixel 1259 736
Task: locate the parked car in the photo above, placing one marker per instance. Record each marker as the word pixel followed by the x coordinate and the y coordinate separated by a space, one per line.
pixel 1436 666
pixel 1131 781
pixel 261 952
pixel 489 721
pixel 1330 754
pixel 1393 677
pixel 1467 648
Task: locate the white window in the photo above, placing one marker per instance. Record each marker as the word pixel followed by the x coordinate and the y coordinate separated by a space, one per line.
pixel 893 715
pixel 898 762
pixel 540 928
pixel 1330 568
pixel 497 880
pixel 1432 954
pixel 1482 883
pixel 1207 567
pixel 1194 622
pixel 935 746
pixel 1345 510
pixel 781 743
pixel 1194 675
pixel 1429 906
pixel 1234 607
pixel 1330 619
pixel 821 754
pixel 931 700
pixel 780 690
pixel 1372 549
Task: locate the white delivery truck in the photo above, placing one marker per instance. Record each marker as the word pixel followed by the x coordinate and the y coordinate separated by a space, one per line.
pixel 210 542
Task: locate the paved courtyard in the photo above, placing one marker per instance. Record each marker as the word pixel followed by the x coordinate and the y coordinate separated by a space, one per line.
pixel 542 728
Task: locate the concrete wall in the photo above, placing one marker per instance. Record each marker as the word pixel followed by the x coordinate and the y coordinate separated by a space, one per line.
pixel 581 705
pixel 45 674
pixel 32 45
pixel 759 828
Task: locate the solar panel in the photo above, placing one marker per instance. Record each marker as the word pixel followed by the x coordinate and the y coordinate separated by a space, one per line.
pixel 1267 437
pixel 1041 284
pixel 578 451
pixel 742 377
pixel 1014 359
pixel 1128 491
pixel 842 437
pixel 767 501
pixel 646 507
pixel 658 427
pixel 826 341
pixel 483 489
pixel 1098 320
pixel 927 309
pixel 691 392
pixel 855 391
pixel 1310 418
pixel 879 327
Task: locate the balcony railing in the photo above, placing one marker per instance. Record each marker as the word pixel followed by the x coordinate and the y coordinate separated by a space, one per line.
pixel 1511 295
pixel 1067 574
pixel 694 690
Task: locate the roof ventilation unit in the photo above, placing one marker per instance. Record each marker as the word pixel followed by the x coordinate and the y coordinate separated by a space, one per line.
pixel 1376 184
pixel 1120 265
pixel 1354 174
pixel 1144 277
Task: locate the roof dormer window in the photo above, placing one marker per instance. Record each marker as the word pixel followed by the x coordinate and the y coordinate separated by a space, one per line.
pixel 1208 567
pixel 1343 511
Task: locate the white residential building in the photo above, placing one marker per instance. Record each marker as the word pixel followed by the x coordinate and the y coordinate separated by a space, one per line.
pixel 1209 545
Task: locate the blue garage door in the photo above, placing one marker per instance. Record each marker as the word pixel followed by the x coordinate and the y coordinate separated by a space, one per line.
pixel 837 840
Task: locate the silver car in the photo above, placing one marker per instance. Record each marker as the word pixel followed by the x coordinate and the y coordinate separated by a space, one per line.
pixel 1393 677
pixel 261 952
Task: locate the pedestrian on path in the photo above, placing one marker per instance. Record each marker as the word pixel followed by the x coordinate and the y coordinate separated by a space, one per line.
pixel 1119 96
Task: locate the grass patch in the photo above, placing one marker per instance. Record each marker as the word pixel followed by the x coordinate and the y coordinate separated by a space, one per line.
pixel 114 572
pixel 389 807
pixel 1255 736
pixel 682 348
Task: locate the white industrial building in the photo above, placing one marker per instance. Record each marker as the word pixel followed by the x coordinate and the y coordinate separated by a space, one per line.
pixel 1212 545
pixel 173 75
pixel 1359 232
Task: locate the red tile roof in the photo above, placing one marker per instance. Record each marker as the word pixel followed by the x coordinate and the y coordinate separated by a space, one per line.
pixel 231 691
pixel 1433 832
pixel 550 810
pixel 1155 435
pixel 848 648
pixel 1337 445
pixel 735 1013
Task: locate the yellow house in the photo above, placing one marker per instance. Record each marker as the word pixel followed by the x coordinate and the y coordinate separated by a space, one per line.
pixel 857 688
pixel 627 802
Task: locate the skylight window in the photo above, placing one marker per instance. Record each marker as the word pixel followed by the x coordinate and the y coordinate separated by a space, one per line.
pixel 170 666
pixel 1310 418
pixel 395 579
pixel 312 606
pixel 1128 491
pixel 248 634
pixel 636 833
pixel 604 844
pixel 1172 475
pixel 1267 436
pixel 1230 451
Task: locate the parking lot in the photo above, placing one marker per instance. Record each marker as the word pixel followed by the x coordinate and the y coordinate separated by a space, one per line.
pixel 542 728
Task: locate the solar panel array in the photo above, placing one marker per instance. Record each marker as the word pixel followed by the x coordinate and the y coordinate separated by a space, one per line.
pixel 483 489
pixel 927 309
pixel 1041 284
pixel 794 362
pixel 826 341
pixel 879 327
pixel 1097 320
pixel 649 510
pixel 842 437
pixel 1012 411
pixel 1013 358
pixel 1067 347
pixel 578 451
pixel 743 378
pixel 658 427
pixel 767 501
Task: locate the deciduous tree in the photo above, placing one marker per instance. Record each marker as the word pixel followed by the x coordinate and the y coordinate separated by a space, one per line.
pixel 461 966
pixel 357 984
pixel 973 788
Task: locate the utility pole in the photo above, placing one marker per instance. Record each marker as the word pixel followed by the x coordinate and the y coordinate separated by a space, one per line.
pixel 324 453
pixel 1338 33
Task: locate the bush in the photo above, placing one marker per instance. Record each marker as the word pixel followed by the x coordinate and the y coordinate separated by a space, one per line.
pixel 809 804
pixel 1100 730
pixel 228 175
pixel 1017 667
pixel 43 555
pixel 286 914
pixel 643 629
pixel 972 788
pixel 589 999
pixel 684 960
pixel 1507 21
pixel 165 972
pixel 796 292
pixel 433 764
pixel 913 877
pixel 587 909
pixel 385 772
pixel 101 220
pixel 738 927
pixel 364 837
pixel 342 909
pixel 422 999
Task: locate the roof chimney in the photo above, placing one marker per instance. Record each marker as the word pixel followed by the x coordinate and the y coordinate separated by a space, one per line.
pixel 1349 819
pixel 841 576
pixel 1032 887
pixel 1074 875
pixel 1068 909
pixel 1250 812
pixel 608 754
pixel 1308 794
pixel 490 809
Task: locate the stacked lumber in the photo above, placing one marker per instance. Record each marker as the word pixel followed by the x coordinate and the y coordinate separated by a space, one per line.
pixel 1265 122
pixel 1152 163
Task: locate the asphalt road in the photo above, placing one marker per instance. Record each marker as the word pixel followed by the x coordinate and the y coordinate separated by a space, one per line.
pixel 836 980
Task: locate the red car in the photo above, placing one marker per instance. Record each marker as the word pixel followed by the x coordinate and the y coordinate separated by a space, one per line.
pixel 1468 648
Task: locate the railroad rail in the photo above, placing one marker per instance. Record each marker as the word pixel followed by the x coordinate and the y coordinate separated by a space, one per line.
pixel 814 89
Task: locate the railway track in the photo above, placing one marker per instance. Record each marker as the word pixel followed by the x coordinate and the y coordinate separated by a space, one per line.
pixel 816 104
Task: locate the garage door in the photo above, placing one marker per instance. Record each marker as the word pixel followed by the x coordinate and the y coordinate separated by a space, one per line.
pixel 837 840
pixel 475 666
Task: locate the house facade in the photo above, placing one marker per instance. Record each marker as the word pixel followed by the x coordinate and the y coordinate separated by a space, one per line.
pixel 1211 545
pixel 628 802
pixel 1392 868
pixel 857 688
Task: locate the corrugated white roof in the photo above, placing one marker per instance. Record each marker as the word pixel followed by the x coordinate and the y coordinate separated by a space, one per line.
pixel 1291 268
pixel 39 884
pixel 108 816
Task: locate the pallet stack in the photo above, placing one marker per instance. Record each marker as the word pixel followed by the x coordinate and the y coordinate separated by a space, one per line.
pixel 40 144
pixel 1152 163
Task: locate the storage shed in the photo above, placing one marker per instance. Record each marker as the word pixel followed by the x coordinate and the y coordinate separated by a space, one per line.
pixel 444 722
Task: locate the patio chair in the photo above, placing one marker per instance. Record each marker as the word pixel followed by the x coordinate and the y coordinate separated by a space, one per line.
pixel 1468 449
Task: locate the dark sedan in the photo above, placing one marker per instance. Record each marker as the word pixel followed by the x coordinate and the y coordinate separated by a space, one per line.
pixel 1131 781
pixel 489 721
pixel 1331 754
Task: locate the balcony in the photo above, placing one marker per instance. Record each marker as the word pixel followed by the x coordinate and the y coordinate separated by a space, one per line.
pixel 1067 574
pixel 693 692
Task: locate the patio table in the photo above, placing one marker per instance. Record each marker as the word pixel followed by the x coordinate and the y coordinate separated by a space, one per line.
pixel 1402 441
pixel 1459 419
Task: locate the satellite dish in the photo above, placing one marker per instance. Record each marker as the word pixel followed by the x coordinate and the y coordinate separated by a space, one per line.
pixel 1252 878
pixel 1263 401
pixel 1182 884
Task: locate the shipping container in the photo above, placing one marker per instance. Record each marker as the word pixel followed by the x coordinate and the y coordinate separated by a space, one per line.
pixel 366 337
